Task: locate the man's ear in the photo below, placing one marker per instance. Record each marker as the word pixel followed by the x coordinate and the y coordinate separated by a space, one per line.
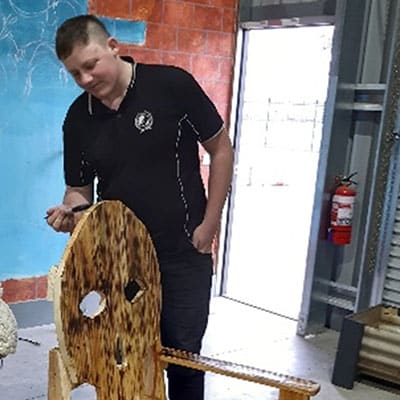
pixel 113 45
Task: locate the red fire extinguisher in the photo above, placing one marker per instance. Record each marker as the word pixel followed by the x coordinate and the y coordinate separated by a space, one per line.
pixel 341 217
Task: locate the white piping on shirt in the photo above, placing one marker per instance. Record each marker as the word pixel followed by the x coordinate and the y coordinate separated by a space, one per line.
pixel 90 106
pixel 130 86
pixel 215 135
pixel 198 134
pixel 181 187
pixel 178 176
pixel 81 176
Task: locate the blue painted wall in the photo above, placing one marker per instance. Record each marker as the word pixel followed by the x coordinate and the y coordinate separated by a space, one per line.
pixel 35 92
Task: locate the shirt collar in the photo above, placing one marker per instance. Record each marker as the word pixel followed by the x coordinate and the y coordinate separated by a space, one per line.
pixel 95 104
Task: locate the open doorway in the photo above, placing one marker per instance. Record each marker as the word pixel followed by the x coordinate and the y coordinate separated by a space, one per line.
pixel 284 87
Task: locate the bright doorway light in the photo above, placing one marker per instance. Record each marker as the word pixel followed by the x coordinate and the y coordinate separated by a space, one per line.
pixel 285 87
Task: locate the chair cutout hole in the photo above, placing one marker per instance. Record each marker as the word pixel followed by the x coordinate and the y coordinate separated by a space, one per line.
pixel 131 290
pixel 92 304
pixel 84 392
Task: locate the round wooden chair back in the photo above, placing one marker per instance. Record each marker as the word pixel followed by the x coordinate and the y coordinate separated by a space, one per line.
pixel 107 306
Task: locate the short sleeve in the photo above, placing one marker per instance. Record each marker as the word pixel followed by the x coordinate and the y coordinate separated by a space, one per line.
pixel 201 112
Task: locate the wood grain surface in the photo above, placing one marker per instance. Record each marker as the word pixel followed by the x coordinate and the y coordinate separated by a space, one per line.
pixel 116 346
pixel 117 350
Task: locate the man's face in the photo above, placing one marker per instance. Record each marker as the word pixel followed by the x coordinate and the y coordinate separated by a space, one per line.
pixel 94 67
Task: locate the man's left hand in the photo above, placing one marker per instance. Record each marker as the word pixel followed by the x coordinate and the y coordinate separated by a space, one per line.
pixel 203 237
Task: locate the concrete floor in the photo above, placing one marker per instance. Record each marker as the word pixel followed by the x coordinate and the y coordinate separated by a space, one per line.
pixel 235 333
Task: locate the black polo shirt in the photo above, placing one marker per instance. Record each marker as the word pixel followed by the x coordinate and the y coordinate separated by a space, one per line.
pixel 146 153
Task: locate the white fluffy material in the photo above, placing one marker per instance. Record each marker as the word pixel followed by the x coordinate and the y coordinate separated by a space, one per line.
pixel 8 330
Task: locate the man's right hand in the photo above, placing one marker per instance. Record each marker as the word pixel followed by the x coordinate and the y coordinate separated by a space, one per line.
pixel 61 218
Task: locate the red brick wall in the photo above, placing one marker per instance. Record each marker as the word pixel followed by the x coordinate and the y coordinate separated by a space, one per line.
pixel 198 35
pixel 16 290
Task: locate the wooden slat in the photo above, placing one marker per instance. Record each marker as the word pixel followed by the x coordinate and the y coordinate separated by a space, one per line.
pixel 284 382
pixel 289 395
pixel 59 387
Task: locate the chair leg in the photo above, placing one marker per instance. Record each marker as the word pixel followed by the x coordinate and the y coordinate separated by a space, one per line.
pixel 290 395
pixel 59 384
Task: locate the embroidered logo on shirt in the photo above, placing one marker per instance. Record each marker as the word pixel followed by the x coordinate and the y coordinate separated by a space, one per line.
pixel 144 121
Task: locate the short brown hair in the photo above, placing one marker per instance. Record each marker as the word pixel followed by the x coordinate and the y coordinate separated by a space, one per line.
pixel 78 31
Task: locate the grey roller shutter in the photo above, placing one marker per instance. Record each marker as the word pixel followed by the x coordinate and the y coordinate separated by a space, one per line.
pixel 391 288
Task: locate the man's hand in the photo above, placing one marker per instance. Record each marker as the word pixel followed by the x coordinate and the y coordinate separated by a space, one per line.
pixel 62 219
pixel 203 237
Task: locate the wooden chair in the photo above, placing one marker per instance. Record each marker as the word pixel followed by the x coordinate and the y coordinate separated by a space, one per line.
pixel 116 348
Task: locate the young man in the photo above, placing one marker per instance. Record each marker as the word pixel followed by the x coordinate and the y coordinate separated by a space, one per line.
pixel 136 128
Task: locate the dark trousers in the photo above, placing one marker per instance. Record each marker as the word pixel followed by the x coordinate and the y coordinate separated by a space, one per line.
pixel 186 289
